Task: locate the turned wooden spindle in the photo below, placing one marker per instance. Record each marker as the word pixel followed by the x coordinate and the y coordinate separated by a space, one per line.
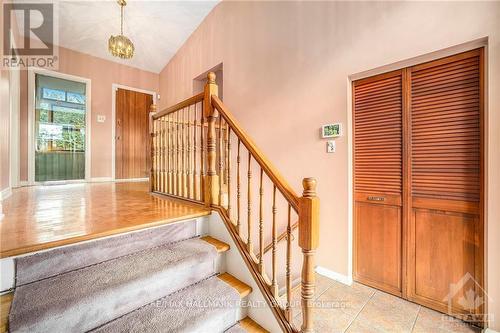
pixel 151 148
pixel 308 241
pixel 261 223
pixel 288 309
pixel 188 153
pixel 183 113
pixel 220 162
pixel 228 170
pixel 195 155
pixel 238 189
pixel 249 205
pixel 274 280
pixel 202 154
pixel 169 147
pixel 212 179
pixel 178 143
pixel 162 154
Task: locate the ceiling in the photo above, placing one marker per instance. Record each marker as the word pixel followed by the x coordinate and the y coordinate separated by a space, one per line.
pixel 157 28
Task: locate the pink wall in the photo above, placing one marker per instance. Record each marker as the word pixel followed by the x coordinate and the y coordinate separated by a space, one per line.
pixel 4 130
pixel 102 74
pixel 286 72
pixel 4 123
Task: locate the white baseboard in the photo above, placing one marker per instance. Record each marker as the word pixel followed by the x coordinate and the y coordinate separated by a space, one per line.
pixel 334 275
pixel 23 183
pixel 100 179
pixel 4 194
pixel 109 179
pixel 489 330
pixel 126 180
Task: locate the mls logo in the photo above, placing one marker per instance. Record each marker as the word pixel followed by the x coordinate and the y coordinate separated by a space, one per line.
pixel 34 23
pixel 470 296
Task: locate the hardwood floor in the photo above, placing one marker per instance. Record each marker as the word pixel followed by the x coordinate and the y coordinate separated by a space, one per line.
pixel 42 217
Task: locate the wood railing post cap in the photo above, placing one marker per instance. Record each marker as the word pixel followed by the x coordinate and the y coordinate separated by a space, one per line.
pixel 309 185
pixel 211 77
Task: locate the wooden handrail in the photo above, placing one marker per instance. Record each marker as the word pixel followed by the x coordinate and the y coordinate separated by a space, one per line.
pixel 180 105
pixel 257 154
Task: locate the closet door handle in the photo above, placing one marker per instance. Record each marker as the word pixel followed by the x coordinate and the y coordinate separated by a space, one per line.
pixel 374 198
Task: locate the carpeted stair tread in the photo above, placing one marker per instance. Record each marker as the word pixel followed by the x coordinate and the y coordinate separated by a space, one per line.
pixel 246 325
pixel 54 262
pixel 89 297
pixel 209 306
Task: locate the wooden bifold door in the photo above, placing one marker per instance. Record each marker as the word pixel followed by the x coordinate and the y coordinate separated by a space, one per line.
pixel 418 182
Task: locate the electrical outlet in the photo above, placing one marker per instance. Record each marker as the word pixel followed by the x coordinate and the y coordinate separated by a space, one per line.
pixel 101 118
pixel 330 146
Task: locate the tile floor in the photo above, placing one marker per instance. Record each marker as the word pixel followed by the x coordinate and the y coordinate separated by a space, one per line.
pixel 359 308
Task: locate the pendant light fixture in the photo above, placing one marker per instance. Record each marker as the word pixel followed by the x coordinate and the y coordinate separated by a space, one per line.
pixel 120 46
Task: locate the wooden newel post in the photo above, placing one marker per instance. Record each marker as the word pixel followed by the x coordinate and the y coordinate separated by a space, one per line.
pixel 152 151
pixel 308 241
pixel 211 114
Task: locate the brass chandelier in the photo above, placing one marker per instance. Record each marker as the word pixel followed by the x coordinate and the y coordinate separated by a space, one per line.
pixel 120 46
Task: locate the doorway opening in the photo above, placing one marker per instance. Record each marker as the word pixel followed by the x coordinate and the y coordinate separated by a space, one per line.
pixel 59 128
pixel 131 156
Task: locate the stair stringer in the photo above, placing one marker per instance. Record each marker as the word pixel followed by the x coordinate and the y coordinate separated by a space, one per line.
pixel 235 265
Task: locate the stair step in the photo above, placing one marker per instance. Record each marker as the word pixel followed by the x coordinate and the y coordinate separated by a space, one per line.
pixel 242 288
pixel 61 260
pixel 219 245
pixel 92 296
pixel 208 306
pixel 247 325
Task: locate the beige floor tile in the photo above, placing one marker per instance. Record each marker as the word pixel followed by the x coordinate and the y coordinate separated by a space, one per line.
pixel 431 321
pixel 348 299
pixel 386 313
pixel 328 320
pixel 322 284
pixel 337 307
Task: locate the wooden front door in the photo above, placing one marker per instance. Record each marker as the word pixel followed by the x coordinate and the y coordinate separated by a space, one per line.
pixel 418 180
pixel 132 137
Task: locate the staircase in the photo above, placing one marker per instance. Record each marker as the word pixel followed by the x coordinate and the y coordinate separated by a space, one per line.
pixel 165 279
pixel 168 279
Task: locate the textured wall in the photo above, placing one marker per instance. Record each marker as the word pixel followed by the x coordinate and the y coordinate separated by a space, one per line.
pixel 286 69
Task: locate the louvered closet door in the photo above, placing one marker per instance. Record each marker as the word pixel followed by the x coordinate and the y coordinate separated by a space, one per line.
pixel 378 125
pixel 446 172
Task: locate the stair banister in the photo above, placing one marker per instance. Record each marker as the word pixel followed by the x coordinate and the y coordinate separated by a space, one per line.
pixel 169 130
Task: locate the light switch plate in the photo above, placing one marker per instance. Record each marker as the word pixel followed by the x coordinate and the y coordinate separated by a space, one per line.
pixel 330 146
pixel 101 118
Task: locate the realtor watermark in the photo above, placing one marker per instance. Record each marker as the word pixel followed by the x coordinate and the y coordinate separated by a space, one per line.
pixel 470 296
pixel 30 35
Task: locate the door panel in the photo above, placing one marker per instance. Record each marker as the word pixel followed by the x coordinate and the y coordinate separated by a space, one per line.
pixel 446 181
pixel 378 181
pixel 132 138
pixel 418 183
pixel 444 250
pixel 378 256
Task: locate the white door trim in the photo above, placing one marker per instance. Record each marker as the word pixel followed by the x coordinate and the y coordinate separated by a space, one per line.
pixel 114 87
pixel 32 71
pixel 14 147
